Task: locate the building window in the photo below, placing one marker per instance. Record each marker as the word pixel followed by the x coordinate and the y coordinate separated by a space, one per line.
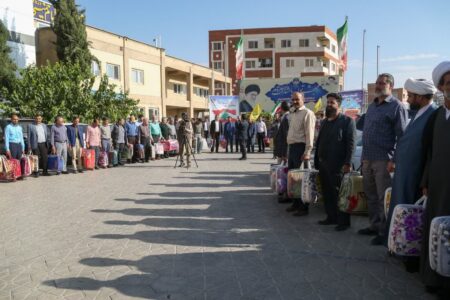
pixel 333 67
pixel 304 43
pixel 265 63
pixel 137 76
pixel 200 92
pixel 269 43
pixel 113 71
pixel 179 88
pixel 218 85
pixel 153 112
pixel 217 65
pixel 95 68
pixel 309 62
pixel 333 48
pixel 285 43
pixel 253 44
pixel 250 64
pixel 217 45
pixel 289 63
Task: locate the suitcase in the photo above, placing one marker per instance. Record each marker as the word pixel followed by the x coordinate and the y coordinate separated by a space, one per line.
pixel 406 228
pixel 26 165
pixel 114 157
pixel 281 180
pixel 266 141
pixel 223 142
pixel 89 159
pixel 103 159
pixel 166 145
pixel 130 152
pixel 34 160
pixel 273 176
pixel 309 187
pixel 55 163
pixel 8 170
pixel 205 145
pixel 351 194
pixel 387 200
pixel 439 245
pixel 294 183
pixel 159 148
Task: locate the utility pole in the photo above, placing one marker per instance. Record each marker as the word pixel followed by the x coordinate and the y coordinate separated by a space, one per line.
pixel 378 58
pixel 363 62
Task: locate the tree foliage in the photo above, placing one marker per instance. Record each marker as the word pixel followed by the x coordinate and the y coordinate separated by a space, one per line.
pixel 7 65
pixel 69 26
pixel 62 89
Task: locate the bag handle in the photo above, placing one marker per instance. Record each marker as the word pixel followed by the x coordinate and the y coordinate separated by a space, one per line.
pixel 422 201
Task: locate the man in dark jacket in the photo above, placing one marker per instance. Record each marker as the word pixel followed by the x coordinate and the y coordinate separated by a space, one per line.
pixel 229 133
pixel 76 144
pixel 242 131
pixel 38 142
pixel 334 150
pixel 119 138
pixel 280 137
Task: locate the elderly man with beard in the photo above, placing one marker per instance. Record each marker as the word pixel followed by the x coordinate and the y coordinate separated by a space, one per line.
pixel 334 150
pixel 382 126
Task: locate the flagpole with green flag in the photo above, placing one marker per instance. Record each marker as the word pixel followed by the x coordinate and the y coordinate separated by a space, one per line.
pixel 240 62
pixel 276 108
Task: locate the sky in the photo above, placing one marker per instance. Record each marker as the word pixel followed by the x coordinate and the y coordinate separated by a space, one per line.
pixel 413 35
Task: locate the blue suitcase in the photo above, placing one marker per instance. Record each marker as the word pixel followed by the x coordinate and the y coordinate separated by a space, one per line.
pixel 55 163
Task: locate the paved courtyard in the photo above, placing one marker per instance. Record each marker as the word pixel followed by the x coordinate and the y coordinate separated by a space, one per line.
pixel 149 231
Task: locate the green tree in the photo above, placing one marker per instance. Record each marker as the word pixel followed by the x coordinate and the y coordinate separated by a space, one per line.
pixel 7 65
pixel 71 38
pixel 62 89
pixel 109 103
pixel 57 89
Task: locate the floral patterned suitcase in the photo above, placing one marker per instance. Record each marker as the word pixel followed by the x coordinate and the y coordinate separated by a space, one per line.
pixel 351 194
pixel 34 160
pixel 273 176
pixel 309 189
pixel 281 180
pixel 26 165
pixel 294 183
pixel 406 228
pixel 439 245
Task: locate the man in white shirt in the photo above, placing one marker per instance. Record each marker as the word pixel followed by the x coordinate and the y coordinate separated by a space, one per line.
pixel 261 133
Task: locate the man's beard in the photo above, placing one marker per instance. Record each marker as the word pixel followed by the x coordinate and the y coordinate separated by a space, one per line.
pixel 379 93
pixel 414 106
pixel 330 112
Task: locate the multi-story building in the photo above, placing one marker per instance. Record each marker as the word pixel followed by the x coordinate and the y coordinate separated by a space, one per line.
pixel 276 52
pixel 164 85
pixel 17 16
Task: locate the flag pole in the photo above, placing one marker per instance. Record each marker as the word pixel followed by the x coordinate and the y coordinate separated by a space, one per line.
pixel 363 62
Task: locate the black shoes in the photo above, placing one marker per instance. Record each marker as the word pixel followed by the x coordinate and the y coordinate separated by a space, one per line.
pixel 243 158
pixel 327 222
pixel 367 231
pixel 292 208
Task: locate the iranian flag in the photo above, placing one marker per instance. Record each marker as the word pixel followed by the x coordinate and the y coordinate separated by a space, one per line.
pixel 239 58
pixel 276 108
pixel 342 43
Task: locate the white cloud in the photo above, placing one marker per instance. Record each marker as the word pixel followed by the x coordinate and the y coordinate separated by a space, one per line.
pixel 412 57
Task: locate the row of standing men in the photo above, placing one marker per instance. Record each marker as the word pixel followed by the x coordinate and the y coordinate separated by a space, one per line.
pixel 412 145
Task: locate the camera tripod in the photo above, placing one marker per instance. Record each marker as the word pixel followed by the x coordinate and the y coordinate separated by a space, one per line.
pixel 184 142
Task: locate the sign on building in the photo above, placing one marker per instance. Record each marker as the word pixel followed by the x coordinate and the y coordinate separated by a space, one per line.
pixel 352 102
pixel 268 91
pixel 43 11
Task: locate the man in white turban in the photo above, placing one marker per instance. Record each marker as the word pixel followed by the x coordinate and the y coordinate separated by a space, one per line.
pixel 408 158
pixel 436 176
